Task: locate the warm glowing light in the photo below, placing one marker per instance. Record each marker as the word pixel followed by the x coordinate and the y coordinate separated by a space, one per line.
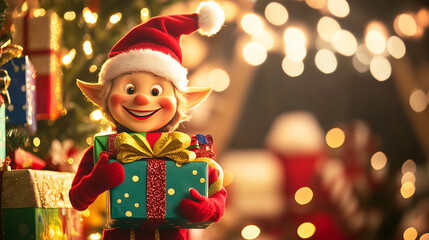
pixel 230 8
pixel 254 53
pixel 86 213
pixel 316 4
pixel 339 8
pixel 90 17
pixel 409 166
pixel 69 16
pixel 69 57
pixel 115 18
pixel 326 61
pixel 89 140
pixel 423 17
pixel 345 43
pixel 295 41
pixel 424 237
pixel 96 115
pixel 418 100
pixel 407 190
pixel 36 142
pixel 335 137
pixel 378 160
pixel 219 79
pixel 408 177
pixel 40 12
pixel 380 68
pixel 276 13
pixel 265 38
pixel 292 68
pixel 410 233
pixel 358 65
pixel 375 41
pixel 24 7
pixel 144 14
pixel 396 47
pixel 93 68
pixel 95 236
pixel 406 25
pixel 252 24
pixel 306 230
pixel 87 48
pixel 303 195
pixel 327 27
pixel 250 232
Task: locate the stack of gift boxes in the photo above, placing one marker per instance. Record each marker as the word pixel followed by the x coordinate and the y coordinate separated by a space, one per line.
pixel 34 204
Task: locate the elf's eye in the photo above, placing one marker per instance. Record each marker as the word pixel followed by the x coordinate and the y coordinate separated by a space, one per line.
pixel 130 88
pixel 156 90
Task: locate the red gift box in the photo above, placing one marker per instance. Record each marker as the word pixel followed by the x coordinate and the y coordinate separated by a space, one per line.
pixel 40 37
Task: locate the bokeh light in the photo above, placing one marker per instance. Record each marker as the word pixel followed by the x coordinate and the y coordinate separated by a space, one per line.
pixel 345 43
pixel 375 41
pixel 252 24
pixel 250 232
pixel 409 166
pixel 418 100
pixel 405 25
pixel 326 61
pixel 410 233
pixel 219 78
pixel 327 27
pixel 303 195
pixel 36 142
pixel 69 16
pixel 295 42
pixel 358 65
pixel 254 53
pixel 424 236
pixel 292 68
pixel 408 177
pixel 89 17
pixel 316 4
pixel 335 137
pixel 87 48
pixel 96 115
pixel 423 17
pixel 115 18
pixel 339 8
pixel 407 190
pixel 378 160
pixel 265 38
pixel 306 230
pixel 396 47
pixel 380 68
pixel 276 13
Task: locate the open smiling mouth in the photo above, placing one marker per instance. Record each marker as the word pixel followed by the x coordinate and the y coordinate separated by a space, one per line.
pixel 141 115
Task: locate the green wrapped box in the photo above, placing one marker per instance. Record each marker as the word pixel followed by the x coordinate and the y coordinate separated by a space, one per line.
pixel 36 206
pixel 128 203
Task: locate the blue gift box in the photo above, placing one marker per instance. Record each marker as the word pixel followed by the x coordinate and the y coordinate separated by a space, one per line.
pixel 22 109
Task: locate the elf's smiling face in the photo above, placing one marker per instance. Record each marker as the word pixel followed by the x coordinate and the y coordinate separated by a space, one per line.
pixel 142 101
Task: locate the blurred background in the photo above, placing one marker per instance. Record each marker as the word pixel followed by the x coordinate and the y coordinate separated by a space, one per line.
pixel 319 112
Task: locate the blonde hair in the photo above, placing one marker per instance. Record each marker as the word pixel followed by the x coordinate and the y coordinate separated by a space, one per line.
pixel 180 116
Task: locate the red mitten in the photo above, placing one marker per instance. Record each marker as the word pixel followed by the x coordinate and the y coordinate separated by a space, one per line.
pixel 204 208
pixel 103 176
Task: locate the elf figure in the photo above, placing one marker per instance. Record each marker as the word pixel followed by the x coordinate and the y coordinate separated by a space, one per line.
pixel 142 87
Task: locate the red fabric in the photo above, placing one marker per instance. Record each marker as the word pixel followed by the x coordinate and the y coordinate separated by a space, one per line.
pixel 164 234
pixel 160 34
pixel 91 181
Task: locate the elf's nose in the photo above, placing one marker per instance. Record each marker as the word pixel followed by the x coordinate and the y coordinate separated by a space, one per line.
pixel 141 99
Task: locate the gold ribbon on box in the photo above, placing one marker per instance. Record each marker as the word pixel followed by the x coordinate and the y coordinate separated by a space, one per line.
pixel 170 145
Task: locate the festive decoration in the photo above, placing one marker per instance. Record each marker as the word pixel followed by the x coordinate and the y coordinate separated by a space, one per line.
pixel 36 206
pixel 44 54
pixel 22 109
pixel 24 160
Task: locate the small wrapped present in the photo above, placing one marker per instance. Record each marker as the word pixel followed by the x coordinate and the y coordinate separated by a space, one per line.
pixel 22 108
pixel 36 206
pixel 24 160
pixel 156 180
pixel 40 37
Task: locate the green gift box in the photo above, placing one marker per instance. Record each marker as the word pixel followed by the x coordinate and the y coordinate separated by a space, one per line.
pixel 130 203
pixel 36 206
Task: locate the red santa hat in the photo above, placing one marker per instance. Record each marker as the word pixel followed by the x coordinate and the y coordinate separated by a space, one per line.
pixel 154 46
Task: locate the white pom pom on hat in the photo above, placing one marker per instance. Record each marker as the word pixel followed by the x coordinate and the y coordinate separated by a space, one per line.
pixel 154 46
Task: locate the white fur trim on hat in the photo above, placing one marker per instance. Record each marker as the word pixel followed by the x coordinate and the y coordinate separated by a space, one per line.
pixel 149 60
pixel 210 18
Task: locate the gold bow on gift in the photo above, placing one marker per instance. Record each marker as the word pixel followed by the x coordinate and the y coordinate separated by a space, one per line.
pixel 170 145
pixel 7 52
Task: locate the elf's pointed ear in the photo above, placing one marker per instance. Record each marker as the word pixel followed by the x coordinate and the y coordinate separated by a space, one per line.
pixel 195 95
pixel 92 91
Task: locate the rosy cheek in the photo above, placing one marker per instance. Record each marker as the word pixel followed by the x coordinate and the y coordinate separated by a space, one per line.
pixel 168 103
pixel 116 100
